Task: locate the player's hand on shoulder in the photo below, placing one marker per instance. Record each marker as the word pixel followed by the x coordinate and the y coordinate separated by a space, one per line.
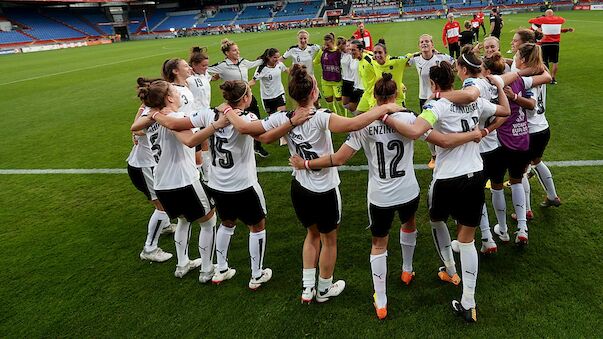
pixel 496 81
pixel 302 114
pixel 222 121
pixel 296 162
pixel 509 92
pixel 394 107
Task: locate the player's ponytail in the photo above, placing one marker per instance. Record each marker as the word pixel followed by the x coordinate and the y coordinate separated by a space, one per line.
pixel 495 64
pixel 233 91
pixel 385 88
pixel 526 35
pixel 530 54
pixel 268 53
pixel 152 92
pixel 442 75
pixel 381 43
pixel 198 54
pixel 300 85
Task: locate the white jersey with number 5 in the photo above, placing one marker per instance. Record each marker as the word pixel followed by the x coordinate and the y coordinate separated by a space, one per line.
pixel 447 117
pixel 233 165
pixel 144 153
pixel 392 178
pixel 310 140
pixel 176 167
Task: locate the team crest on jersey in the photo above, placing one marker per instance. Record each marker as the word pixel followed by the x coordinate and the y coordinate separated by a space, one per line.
pixel 391 67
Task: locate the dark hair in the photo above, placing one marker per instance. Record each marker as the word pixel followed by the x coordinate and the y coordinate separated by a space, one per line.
pixel 198 54
pixel 300 84
pixel 167 71
pixel 381 43
pixel 495 63
pixel 468 58
pixel 385 87
pixel 358 43
pixel 442 74
pixel 233 91
pixel 329 36
pixel 152 92
pixel 526 35
pixel 467 24
pixel 268 53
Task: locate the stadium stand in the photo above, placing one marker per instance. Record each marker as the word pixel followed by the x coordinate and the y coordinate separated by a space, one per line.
pixel 223 15
pixel 256 12
pixel 156 17
pixel 40 27
pixel 95 19
pixel 13 37
pixel 70 20
pixel 177 20
pixel 135 28
pixel 298 11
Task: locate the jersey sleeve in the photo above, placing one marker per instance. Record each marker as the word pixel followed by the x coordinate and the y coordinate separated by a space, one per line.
pixel 429 114
pixel 322 119
pixel 317 57
pixel 273 121
pixel 282 67
pixel 528 82
pixel 287 54
pixel 251 117
pixel 197 119
pixel 487 109
pixel 251 64
pixel 355 139
pixel 258 74
pixel 216 69
pixel 468 82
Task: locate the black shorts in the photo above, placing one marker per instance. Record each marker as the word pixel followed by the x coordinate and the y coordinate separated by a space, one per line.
pixel 461 198
pixel 253 107
pixel 142 178
pixel 538 143
pixel 272 105
pixel 516 162
pixel 492 160
pixel 550 52
pixel 356 95
pixel 381 218
pixel 247 205
pixel 347 88
pixel 190 201
pixel 320 209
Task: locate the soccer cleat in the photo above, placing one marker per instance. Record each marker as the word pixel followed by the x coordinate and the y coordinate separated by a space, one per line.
pixel 261 152
pixel 488 247
pixel 444 276
pixel 334 290
pixel 255 283
pixel 529 215
pixel 381 312
pixel 548 203
pixel 219 277
pixel 205 277
pixel 158 255
pixel 431 164
pixel 169 229
pixel 522 237
pixel 181 271
pixel 407 277
pixel 488 185
pixel 503 236
pixel 454 244
pixel 553 82
pixel 469 315
pixel 307 295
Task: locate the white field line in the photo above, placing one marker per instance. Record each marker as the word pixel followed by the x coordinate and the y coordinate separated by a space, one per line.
pixel 268 169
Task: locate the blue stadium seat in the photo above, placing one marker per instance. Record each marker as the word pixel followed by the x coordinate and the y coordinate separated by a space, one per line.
pixel 40 26
pixel 13 37
pixel 177 22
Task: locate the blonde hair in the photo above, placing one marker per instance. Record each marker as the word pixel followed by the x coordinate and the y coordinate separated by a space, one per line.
pixel 226 44
pixel 302 31
pixel 530 54
pixel 492 38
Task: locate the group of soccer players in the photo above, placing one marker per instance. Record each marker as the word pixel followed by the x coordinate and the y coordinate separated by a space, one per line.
pixel 193 161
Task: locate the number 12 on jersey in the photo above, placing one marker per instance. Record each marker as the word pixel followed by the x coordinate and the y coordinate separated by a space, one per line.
pixel 392 145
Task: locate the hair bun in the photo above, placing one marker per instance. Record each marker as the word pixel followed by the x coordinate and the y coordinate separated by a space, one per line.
pixel 141 81
pixel 387 76
pixel 196 49
pixel 381 41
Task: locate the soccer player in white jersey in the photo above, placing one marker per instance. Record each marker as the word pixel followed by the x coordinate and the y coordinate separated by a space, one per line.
pixel 177 71
pixel 303 53
pixel 356 51
pixel 176 178
pixel 233 67
pixel 423 61
pixel 141 162
pixel 271 85
pixel 314 194
pixel 392 186
pixel 457 189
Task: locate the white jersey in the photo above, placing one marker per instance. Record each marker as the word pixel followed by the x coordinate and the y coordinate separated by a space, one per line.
pixel 199 85
pixel 310 140
pixel 227 70
pixel 271 84
pixel 489 92
pixel 536 119
pixel 346 70
pixel 355 74
pixel 142 154
pixel 187 100
pixel 233 165
pixel 447 117
pixel 423 65
pixel 392 178
pixel 303 56
pixel 176 167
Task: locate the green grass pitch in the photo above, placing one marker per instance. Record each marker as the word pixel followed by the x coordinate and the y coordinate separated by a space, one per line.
pixel 70 243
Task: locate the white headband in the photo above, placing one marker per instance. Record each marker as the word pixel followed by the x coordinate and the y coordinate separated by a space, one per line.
pixel 470 64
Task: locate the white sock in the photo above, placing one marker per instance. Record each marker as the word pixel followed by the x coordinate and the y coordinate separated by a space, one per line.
pixel 379 270
pixel 206 243
pixel 500 208
pixel 484 225
pixel 222 244
pixel 408 241
pixel 159 219
pixel 324 284
pixel 546 178
pixel 257 249
pixel 181 238
pixel 441 238
pixel 309 277
pixel 469 266
pixel 518 195
pixel 528 190
pixel 206 156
